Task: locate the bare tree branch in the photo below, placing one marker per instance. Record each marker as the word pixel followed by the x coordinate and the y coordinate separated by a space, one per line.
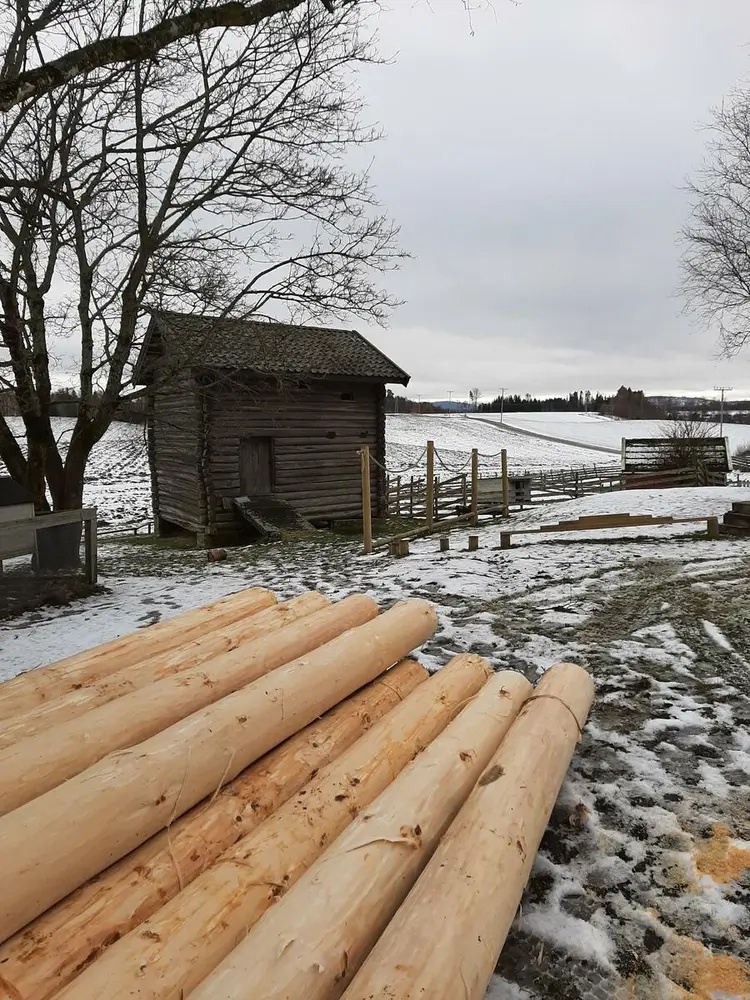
pixel 28 84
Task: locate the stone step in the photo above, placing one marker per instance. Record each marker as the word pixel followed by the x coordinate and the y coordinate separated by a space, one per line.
pixel 741 507
pixel 737 519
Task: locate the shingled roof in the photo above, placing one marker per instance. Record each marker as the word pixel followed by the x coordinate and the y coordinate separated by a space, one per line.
pixel 270 348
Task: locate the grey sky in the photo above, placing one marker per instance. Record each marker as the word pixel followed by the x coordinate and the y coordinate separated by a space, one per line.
pixel 536 170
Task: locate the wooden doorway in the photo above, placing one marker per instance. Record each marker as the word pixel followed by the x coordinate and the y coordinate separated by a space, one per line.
pixel 256 466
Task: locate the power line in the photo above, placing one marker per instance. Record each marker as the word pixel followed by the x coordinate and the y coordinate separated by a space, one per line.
pixel 503 390
pixel 722 389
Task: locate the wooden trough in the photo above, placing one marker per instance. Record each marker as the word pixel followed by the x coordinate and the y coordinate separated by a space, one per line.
pixel 288 758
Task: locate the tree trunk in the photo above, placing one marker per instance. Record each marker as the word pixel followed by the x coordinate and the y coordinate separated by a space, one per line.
pixel 67 836
pixel 332 918
pixel 43 958
pixel 445 940
pixel 39 763
pixel 40 686
pixel 157 668
pixel 170 954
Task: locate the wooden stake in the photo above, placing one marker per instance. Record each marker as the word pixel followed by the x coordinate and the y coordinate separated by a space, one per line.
pixel 39 763
pixel 366 500
pixel 506 484
pixel 474 486
pixel 58 841
pixel 712 525
pixel 25 692
pixel 169 955
pixel 430 485
pixel 445 543
pixel 473 543
pixel 153 669
pixel 48 954
pixel 332 918
pixel 445 940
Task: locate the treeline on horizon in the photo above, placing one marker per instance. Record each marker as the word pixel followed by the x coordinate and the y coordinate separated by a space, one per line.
pixel 627 404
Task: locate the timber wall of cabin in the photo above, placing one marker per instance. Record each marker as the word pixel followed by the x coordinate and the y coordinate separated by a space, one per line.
pixel 175 445
pixel 317 429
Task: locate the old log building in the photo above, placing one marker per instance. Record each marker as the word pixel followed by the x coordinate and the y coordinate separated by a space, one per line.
pixel 248 408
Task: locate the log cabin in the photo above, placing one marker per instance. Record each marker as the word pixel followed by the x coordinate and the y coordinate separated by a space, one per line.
pixel 247 408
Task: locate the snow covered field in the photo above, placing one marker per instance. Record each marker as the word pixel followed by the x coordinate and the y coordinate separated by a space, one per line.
pixel 455 436
pixel 597 431
pixel 642 887
pixel 118 484
pixel 117 479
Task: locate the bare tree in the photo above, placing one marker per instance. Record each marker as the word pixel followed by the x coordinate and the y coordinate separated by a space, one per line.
pixel 212 179
pixel 685 439
pixel 716 257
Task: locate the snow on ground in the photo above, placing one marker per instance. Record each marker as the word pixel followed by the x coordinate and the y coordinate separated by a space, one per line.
pixel 598 431
pixel 455 436
pixel 641 890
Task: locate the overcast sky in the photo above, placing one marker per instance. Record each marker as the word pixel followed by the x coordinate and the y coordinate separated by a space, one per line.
pixel 535 167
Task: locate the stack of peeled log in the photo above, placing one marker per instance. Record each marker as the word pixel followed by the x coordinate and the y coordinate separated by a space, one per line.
pixel 271 800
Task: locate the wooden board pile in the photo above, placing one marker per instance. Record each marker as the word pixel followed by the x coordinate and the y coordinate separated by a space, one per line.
pixel 262 800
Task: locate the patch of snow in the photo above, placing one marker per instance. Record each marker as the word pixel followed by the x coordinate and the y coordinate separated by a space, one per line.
pixel 717 636
pixel 577 937
pixel 501 989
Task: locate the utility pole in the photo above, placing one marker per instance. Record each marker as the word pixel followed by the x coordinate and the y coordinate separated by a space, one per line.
pixel 722 389
pixel 419 404
pixel 503 390
pixel 450 400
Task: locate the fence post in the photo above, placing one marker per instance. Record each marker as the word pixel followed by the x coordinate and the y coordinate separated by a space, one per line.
pixel 475 486
pixel 506 484
pixel 366 502
pixel 464 493
pixel 437 501
pixel 90 553
pixel 398 496
pixel 430 495
pixel 411 497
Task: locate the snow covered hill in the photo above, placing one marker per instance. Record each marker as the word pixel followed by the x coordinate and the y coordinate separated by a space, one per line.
pixel 593 430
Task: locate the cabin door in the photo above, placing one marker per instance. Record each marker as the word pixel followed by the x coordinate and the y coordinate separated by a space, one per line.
pixel 256 466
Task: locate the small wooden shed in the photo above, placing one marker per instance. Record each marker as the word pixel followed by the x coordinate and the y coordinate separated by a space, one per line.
pixel 656 463
pixel 241 408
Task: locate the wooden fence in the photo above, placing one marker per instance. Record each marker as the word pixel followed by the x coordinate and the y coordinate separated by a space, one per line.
pixel 407 496
pixel 19 538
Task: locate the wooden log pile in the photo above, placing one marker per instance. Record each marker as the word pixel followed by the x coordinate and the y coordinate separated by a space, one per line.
pixel 264 799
